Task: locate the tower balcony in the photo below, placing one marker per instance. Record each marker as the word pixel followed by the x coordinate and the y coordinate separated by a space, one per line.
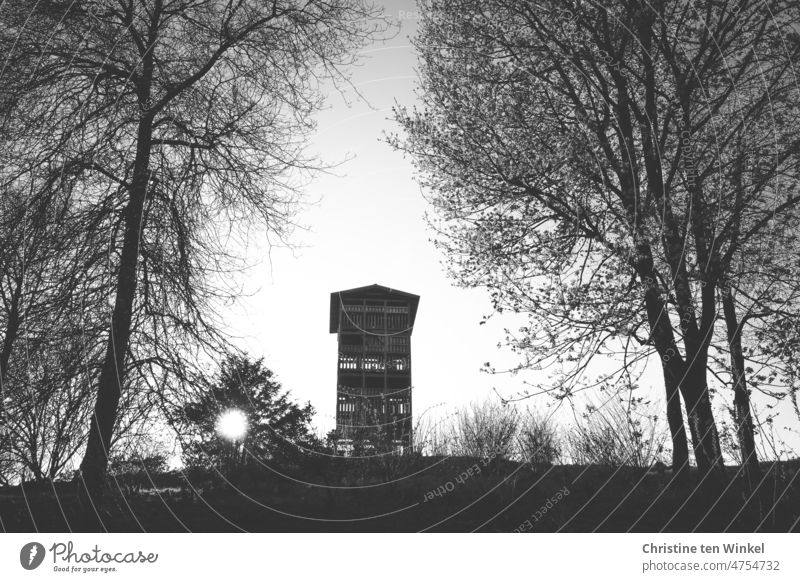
pixel 377 364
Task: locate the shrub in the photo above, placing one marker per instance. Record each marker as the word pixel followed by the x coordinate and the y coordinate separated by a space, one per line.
pixel 485 430
pixel 616 435
pixel 538 441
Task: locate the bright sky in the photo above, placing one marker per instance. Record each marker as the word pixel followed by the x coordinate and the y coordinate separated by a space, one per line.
pixel 368 228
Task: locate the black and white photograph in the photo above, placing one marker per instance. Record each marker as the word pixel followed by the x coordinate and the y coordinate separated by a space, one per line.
pixel 346 270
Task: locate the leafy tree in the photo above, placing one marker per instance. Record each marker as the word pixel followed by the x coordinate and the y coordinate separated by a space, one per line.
pixel 278 429
pixel 586 164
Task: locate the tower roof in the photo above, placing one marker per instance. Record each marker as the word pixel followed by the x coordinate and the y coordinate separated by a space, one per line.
pixel 370 293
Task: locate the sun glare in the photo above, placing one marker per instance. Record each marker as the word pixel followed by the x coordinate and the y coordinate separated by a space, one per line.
pixel 232 425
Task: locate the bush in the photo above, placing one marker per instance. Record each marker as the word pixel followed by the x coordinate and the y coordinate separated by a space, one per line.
pixel 615 435
pixel 485 430
pixel 538 441
pixel 130 465
pixel 432 437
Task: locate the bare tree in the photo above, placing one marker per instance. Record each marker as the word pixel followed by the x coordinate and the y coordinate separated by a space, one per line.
pixel 205 107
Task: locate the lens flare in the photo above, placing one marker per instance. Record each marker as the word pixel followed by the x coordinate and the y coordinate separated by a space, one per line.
pixel 232 425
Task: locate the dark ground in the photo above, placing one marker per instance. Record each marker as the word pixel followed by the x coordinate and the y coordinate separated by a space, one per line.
pixel 402 496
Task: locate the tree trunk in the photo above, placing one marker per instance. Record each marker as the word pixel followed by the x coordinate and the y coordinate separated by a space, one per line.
pixel 751 472
pixel 677 429
pixel 12 330
pixel 95 460
pixel 655 185
pixel 112 374
pixel 660 330
pixel 694 382
pixel 663 339
pixel 705 437
pixel 688 375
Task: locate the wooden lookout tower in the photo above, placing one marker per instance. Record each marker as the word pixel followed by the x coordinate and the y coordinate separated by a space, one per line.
pixel 373 388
